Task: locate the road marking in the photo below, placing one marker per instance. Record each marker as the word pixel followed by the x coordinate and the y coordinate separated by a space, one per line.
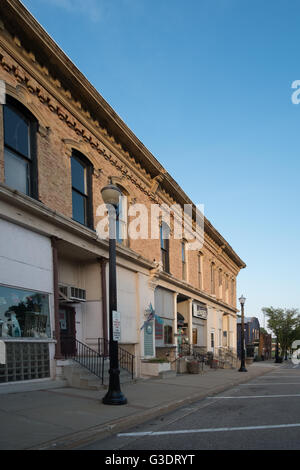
pixel 272 383
pixel 193 431
pixel 254 396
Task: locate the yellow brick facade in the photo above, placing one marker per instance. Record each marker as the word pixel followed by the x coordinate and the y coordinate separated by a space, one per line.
pixel 68 119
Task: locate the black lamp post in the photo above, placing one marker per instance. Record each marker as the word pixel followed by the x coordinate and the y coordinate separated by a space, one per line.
pixel 242 301
pixel 114 396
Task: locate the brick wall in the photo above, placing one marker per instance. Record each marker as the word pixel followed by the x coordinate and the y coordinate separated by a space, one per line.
pixel 59 132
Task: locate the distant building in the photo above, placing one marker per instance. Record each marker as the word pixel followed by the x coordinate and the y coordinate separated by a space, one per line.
pixel 252 329
pixel 265 345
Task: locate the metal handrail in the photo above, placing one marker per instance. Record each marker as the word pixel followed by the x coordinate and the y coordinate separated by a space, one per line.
pixel 126 359
pixel 86 357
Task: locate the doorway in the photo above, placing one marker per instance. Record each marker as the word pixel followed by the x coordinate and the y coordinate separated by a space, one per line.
pixel 67 330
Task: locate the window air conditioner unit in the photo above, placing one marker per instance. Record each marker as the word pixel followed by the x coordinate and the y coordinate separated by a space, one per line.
pixel 72 294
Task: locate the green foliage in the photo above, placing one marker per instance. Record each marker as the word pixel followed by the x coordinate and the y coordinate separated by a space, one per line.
pixel 262 330
pixel 285 324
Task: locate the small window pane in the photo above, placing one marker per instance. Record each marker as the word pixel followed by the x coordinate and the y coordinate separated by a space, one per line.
pixel 16 131
pixel 79 207
pixel 78 176
pixel 16 172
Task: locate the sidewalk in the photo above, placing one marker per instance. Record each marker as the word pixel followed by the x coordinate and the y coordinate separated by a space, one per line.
pixel 62 418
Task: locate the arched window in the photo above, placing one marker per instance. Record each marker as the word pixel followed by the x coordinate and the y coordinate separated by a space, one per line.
pixel 20 162
pixel 81 171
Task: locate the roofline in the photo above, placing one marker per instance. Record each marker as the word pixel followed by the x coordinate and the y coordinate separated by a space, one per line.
pixel 25 23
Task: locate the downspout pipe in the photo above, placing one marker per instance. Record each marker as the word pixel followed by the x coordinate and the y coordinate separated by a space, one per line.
pixel 103 263
pixel 58 354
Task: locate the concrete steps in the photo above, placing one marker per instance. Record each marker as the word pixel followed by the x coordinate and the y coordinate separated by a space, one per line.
pixel 78 376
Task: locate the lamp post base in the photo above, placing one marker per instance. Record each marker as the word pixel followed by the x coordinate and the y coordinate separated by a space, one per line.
pixel 243 369
pixel 114 398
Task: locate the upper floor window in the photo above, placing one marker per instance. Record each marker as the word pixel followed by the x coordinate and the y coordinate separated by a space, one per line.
pixel 164 246
pixel 226 288
pixel 200 256
pixel 20 165
pixel 220 284
pixel 212 278
pixel 81 170
pixel 183 261
pixel 232 291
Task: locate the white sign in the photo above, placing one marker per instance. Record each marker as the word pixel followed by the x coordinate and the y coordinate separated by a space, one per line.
pixel 116 317
pixel 200 311
pixel 2 353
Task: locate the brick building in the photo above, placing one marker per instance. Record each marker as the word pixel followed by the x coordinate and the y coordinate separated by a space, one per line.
pixel 60 143
pixel 265 346
pixel 252 336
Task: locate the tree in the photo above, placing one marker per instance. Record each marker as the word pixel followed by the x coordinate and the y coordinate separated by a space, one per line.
pixel 262 330
pixel 285 324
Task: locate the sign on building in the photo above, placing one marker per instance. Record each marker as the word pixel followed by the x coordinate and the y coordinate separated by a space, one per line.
pixel 200 310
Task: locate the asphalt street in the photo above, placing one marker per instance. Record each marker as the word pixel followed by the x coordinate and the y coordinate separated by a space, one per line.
pixel 261 414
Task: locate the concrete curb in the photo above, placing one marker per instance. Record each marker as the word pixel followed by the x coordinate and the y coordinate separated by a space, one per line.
pixel 88 436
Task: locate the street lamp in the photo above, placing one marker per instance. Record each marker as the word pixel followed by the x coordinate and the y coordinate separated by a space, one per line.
pixel 242 301
pixel 114 396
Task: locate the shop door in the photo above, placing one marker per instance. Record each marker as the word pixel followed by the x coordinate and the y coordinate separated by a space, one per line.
pixel 67 331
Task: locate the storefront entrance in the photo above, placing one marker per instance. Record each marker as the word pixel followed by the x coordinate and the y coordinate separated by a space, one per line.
pixel 67 330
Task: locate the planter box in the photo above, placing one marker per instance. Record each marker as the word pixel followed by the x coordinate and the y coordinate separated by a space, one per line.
pixel 153 369
pixel 181 366
pixel 249 360
pixel 193 367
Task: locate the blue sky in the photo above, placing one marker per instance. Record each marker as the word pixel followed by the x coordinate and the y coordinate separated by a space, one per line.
pixel 206 86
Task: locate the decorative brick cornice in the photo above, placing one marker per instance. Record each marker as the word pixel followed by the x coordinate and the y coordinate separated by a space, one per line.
pixel 138 165
pixel 87 140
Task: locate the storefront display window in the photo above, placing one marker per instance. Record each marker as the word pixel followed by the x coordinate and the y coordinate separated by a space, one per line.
pixel 24 314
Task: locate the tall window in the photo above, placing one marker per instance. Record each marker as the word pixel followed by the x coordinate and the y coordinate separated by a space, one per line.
pixel 212 340
pixel 212 278
pixel 232 291
pixel 200 270
pixel 168 334
pixel 183 261
pixel 20 167
pixel 164 246
pixel 195 336
pixel 226 288
pixel 81 170
pixel 220 284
